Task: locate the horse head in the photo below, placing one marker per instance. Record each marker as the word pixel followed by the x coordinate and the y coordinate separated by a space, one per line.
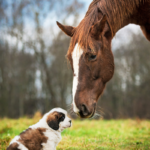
pixel 90 52
pixel 92 62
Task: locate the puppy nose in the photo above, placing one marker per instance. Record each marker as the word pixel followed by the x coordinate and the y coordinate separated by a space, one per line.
pixel 70 121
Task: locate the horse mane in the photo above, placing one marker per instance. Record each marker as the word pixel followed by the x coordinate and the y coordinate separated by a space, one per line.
pixel 115 10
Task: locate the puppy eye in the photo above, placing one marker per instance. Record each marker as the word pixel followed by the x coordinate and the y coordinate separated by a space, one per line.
pixel 62 118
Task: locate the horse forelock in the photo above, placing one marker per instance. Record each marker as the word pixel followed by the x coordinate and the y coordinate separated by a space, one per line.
pixel 81 34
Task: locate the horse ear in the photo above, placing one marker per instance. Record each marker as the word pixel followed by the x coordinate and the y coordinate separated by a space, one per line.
pixel 69 30
pixel 97 28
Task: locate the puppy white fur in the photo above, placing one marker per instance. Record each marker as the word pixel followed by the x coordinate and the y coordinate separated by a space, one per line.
pixel 44 135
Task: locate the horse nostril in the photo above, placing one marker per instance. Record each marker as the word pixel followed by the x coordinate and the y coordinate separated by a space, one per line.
pixel 94 104
pixel 70 121
pixel 84 110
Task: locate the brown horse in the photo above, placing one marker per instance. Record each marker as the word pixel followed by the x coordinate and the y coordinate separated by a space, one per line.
pixel 90 52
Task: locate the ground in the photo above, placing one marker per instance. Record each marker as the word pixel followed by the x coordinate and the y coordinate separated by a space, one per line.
pixel 88 134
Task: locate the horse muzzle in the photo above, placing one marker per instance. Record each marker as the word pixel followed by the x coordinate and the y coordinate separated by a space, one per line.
pixel 86 111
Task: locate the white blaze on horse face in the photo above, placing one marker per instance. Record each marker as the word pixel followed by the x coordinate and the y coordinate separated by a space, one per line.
pixel 76 55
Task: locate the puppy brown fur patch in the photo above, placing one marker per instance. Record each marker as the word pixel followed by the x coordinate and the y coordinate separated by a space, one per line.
pixel 54 116
pixel 54 119
pixel 33 138
pixel 13 146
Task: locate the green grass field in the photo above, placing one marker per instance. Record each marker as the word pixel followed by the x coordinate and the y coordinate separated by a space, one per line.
pixel 88 134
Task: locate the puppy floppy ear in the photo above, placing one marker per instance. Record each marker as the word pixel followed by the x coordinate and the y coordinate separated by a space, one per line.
pixel 52 121
pixel 53 124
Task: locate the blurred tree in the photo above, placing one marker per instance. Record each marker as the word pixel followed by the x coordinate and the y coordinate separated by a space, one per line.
pixel 34 73
pixel 127 94
pixel 25 49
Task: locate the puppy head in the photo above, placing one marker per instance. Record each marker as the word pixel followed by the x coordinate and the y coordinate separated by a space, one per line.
pixel 57 119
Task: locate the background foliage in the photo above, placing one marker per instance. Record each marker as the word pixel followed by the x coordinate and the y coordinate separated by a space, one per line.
pixel 98 135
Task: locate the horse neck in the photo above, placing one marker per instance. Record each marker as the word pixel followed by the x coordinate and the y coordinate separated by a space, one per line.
pixel 120 12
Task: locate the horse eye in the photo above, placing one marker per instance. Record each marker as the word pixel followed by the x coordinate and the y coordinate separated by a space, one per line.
pixel 92 57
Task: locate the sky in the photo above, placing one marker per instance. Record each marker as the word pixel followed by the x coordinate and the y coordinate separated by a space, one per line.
pixel 123 36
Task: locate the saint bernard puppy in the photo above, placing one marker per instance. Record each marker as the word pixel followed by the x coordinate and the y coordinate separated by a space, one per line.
pixel 44 135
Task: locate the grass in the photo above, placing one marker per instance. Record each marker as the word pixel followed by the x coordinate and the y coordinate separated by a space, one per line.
pixel 88 134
